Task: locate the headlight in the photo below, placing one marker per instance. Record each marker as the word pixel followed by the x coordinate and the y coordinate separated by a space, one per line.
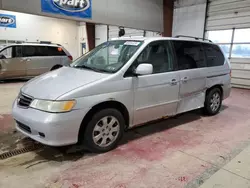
pixel 53 106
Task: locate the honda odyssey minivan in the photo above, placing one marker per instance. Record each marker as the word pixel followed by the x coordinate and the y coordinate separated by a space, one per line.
pixel 121 84
pixel 28 60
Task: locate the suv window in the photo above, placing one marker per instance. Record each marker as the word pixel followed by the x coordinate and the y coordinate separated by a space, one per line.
pixel 17 51
pixel 55 51
pixel 11 52
pixel 214 55
pixel 156 53
pixel 29 51
pixel 6 53
pixel 190 55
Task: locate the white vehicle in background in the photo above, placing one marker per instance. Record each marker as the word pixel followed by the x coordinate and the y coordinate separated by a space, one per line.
pixel 28 60
pixel 121 84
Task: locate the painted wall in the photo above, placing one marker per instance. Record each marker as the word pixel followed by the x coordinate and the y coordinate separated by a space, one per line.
pixel 104 33
pixel 189 17
pixel 139 14
pixel 101 34
pixel 33 28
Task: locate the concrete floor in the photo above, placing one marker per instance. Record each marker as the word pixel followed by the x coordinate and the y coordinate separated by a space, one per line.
pixel 8 92
pixel 189 150
pixel 234 174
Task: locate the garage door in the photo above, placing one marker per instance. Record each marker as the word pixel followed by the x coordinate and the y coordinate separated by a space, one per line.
pixel 228 24
pixel 228 14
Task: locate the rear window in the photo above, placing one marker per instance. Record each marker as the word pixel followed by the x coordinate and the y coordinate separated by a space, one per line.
pixel 33 51
pixel 214 55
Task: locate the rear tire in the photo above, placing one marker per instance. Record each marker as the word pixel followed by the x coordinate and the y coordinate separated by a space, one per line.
pixel 213 102
pixel 104 131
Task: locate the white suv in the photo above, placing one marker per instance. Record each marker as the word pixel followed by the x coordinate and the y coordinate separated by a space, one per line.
pixel 121 84
pixel 28 60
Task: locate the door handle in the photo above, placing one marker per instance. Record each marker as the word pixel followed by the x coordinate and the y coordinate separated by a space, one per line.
pixel 173 82
pixel 25 59
pixel 184 80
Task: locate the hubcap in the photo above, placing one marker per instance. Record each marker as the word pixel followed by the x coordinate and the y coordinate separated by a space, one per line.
pixel 215 102
pixel 106 131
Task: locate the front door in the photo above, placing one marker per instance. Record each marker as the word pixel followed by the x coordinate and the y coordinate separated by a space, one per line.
pixel 12 65
pixel 192 72
pixel 155 95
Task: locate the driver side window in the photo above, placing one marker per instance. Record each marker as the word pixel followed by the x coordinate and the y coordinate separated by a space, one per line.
pixel 11 52
pixel 158 54
pixel 6 53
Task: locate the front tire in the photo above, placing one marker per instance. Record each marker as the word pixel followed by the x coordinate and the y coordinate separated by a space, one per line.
pixel 213 102
pixel 103 131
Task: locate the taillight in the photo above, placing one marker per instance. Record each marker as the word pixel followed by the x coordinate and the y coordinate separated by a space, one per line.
pixel 70 57
pixel 230 72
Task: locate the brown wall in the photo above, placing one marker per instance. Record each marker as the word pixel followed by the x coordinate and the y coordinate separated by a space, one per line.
pixel 90 27
pixel 168 11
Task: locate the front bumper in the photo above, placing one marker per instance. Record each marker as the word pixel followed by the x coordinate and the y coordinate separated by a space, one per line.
pixel 226 90
pixel 57 129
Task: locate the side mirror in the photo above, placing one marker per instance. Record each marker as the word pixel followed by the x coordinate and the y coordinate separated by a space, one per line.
pixel 144 69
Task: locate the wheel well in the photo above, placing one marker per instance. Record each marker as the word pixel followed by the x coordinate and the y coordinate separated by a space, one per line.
pixel 215 86
pixel 104 105
pixel 56 67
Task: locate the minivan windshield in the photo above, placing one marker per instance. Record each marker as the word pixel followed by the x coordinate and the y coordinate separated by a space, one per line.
pixel 109 56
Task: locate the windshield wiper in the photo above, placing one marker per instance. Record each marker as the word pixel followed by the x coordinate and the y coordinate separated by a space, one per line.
pixel 87 67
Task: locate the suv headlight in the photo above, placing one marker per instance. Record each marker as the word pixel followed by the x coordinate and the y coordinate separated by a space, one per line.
pixel 53 106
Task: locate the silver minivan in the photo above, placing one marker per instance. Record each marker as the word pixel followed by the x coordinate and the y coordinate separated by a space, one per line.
pixel 28 60
pixel 121 84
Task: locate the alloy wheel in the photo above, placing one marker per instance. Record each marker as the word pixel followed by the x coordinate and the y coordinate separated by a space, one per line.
pixel 106 131
pixel 215 102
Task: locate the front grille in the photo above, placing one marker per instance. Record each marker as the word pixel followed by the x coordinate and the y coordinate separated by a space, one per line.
pixel 24 127
pixel 24 101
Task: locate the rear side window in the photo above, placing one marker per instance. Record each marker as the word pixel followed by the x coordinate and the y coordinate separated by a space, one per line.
pixel 56 51
pixel 29 51
pixel 41 51
pixel 190 55
pixel 34 51
pixel 214 55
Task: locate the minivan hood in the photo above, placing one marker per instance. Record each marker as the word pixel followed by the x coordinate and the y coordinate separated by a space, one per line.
pixel 53 84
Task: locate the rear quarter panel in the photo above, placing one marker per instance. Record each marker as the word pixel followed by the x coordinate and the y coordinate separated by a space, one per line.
pixel 220 75
pixel 65 61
